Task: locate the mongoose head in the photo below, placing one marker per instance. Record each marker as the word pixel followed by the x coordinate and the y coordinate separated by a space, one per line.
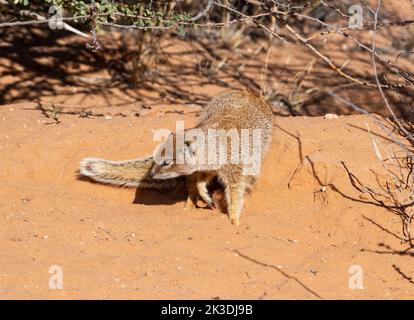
pixel 175 157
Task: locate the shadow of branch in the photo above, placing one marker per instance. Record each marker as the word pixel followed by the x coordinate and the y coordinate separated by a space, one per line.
pixel 286 275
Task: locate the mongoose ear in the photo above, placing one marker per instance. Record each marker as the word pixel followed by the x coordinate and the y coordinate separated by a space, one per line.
pixel 191 147
pixel 190 151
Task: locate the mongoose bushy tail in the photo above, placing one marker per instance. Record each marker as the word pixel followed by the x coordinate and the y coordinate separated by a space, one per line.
pixel 128 173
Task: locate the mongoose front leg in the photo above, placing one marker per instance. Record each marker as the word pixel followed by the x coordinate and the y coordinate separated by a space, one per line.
pixel 192 194
pixel 203 191
pixel 192 199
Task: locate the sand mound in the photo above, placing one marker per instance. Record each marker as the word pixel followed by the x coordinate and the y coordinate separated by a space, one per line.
pixel 303 227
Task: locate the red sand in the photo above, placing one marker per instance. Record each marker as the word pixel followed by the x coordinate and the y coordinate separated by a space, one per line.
pixel 294 241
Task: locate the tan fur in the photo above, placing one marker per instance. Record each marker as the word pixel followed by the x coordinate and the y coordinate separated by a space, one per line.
pixel 231 110
pixel 128 173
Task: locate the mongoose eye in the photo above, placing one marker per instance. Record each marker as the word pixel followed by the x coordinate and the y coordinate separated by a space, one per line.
pixel 167 162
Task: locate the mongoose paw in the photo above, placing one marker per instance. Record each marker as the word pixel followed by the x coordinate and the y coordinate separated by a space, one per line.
pixel 235 221
pixel 202 203
pixel 189 206
pixel 208 201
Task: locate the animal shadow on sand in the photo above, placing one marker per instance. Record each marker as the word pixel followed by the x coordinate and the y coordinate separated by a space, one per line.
pixel 153 197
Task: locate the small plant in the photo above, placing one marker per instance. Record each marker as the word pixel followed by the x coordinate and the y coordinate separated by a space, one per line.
pixel 53 112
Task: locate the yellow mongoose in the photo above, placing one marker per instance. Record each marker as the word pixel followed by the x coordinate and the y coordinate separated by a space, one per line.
pixel 240 115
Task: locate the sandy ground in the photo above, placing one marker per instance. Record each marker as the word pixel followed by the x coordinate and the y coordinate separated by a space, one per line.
pixel 306 228
pixel 303 227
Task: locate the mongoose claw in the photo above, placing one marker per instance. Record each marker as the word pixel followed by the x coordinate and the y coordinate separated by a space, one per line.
pixel 209 202
pixel 211 205
pixel 205 197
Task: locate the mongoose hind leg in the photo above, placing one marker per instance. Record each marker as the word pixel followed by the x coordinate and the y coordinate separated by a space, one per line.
pixel 236 202
pixel 234 188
